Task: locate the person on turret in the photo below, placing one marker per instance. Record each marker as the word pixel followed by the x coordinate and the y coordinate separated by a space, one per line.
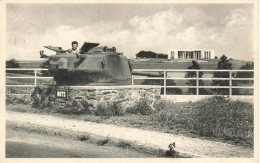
pixel 74 48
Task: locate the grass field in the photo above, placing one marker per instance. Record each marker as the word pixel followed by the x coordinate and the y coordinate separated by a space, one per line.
pixel 212 64
pixel 31 64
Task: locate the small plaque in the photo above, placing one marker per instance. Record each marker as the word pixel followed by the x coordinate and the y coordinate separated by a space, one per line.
pixel 62 94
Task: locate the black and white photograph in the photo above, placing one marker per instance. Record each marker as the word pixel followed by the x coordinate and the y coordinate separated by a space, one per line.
pixel 130 80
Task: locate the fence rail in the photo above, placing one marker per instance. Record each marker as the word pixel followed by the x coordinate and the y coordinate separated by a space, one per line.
pixel 164 78
pixel 197 79
pixel 35 77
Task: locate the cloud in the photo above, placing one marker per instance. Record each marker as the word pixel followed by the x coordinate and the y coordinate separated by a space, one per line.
pixel 162 22
pixel 236 37
pixel 158 32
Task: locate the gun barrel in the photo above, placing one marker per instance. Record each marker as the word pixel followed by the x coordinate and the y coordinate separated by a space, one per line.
pixel 64 51
pixel 150 74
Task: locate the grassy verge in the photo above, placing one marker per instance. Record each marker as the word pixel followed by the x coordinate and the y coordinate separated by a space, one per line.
pixel 215 118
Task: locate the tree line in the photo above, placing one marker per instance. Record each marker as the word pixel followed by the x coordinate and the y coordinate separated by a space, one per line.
pixel 150 54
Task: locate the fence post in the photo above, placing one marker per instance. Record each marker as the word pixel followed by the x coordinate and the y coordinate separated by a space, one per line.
pixel 132 79
pixel 230 83
pixel 197 82
pixel 35 77
pixel 164 82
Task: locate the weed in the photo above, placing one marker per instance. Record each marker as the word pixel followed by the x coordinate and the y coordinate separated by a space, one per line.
pixel 83 137
pixel 171 152
pixel 123 144
pixel 103 142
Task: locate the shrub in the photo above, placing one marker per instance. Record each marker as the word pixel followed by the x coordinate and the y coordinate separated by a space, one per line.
pixel 141 107
pixel 109 109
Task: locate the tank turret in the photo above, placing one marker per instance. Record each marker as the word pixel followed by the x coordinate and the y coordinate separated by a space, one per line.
pixel 93 65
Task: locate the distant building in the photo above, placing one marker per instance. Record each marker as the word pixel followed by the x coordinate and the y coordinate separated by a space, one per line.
pixel 191 54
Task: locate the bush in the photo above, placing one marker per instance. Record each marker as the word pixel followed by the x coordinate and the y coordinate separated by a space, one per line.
pixel 12 99
pixel 141 107
pixel 109 109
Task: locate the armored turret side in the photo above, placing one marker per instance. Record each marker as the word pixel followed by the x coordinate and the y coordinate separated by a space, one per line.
pixel 102 69
pixel 94 65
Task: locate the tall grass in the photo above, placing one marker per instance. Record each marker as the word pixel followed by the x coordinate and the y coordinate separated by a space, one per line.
pixel 214 116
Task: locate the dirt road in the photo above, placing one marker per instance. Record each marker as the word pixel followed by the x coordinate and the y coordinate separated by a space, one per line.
pixel 191 146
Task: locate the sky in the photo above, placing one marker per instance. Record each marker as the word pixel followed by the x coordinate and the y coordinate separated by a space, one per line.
pixel 225 28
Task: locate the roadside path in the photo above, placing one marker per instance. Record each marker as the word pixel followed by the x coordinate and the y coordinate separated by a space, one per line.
pixel 22 144
pixel 186 145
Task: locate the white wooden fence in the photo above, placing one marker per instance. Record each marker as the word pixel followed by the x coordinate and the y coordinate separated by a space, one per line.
pixel 35 77
pixel 197 78
pixel 165 78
